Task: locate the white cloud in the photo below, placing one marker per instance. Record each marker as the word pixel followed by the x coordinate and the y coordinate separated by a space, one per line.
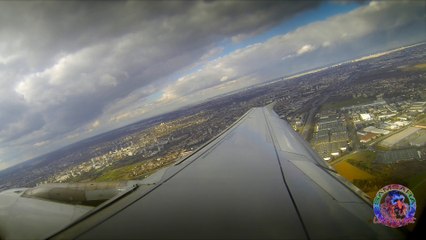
pixel 305 49
pixel 42 143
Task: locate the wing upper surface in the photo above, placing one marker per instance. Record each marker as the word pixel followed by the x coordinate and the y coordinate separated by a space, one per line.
pixel 257 180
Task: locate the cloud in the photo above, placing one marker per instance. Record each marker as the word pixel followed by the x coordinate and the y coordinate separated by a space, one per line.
pixel 306 48
pixel 65 66
pixel 42 143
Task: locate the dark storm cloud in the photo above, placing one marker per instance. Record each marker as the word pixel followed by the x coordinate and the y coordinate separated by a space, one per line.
pixel 53 28
pixel 63 63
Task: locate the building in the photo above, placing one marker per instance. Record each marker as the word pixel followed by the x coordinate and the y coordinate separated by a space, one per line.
pixel 375 130
pixel 374 104
pixel 386 116
pixel 367 137
pixel 365 117
pixel 418 107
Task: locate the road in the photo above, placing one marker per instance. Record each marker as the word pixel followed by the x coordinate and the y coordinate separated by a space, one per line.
pixel 342 158
pixel 375 141
pixel 353 136
pixel 308 125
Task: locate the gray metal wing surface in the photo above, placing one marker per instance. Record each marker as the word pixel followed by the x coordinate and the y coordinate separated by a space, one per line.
pixel 257 180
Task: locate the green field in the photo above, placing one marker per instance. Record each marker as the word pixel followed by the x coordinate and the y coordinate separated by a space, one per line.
pixel 337 103
pixel 130 172
pixel 417 184
pixel 123 173
pixel 138 170
pixel 421 119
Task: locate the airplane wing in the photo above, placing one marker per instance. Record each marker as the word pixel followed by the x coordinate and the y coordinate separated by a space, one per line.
pixel 257 180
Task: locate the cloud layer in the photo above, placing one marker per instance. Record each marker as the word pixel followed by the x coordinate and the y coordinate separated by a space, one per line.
pixel 71 69
pixel 378 26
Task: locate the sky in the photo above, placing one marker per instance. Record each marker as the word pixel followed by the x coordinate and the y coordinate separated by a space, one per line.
pixel 72 69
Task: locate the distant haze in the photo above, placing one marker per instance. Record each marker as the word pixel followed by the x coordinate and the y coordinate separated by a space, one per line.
pixel 70 70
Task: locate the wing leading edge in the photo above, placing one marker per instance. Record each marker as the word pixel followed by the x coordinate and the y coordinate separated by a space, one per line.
pixel 258 179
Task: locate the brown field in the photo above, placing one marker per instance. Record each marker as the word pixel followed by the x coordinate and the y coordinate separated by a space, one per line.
pixel 417 67
pixel 350 172
pixel 420 66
